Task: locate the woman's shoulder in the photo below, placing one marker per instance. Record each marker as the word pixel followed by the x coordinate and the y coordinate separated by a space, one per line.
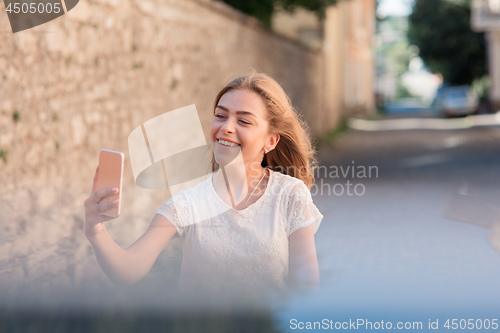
pixel 180 209
pixel 286 181
pixel 291 189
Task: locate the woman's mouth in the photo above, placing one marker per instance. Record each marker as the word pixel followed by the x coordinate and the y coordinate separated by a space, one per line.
pixel 227 143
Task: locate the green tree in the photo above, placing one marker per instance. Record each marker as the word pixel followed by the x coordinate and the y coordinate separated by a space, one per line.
pixel 264 9
pixel 441 29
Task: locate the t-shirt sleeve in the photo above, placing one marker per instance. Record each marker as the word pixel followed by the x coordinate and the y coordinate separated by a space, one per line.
pixel 172 210
pixel 301 209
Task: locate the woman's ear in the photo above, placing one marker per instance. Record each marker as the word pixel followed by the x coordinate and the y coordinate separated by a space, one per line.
pixel 273 141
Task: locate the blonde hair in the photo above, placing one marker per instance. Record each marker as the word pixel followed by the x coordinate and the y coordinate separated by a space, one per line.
pixel 294 154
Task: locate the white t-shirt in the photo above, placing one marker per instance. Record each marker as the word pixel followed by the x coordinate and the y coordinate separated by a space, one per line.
pixel 239 249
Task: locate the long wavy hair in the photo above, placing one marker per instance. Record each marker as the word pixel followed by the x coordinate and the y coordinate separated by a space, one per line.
pixel 294 153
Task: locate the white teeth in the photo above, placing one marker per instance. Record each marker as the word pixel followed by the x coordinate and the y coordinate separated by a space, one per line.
pixel 227 143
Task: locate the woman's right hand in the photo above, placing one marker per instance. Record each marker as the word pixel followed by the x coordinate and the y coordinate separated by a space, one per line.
pixel 94 221
pixel 123 265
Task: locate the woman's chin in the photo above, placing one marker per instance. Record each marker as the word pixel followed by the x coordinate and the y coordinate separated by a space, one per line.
pixel 226 155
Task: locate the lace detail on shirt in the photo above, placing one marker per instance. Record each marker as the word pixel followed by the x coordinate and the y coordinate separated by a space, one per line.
pixel 301 209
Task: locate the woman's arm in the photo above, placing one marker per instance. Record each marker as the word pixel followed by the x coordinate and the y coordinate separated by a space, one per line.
pixel 304 270
pixel 130 265
pixel 123 265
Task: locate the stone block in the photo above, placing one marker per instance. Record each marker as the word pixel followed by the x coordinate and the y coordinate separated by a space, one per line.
pixel 78 130
pixel 46 197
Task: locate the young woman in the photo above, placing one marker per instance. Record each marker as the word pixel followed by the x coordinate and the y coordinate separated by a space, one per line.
pixel 250 226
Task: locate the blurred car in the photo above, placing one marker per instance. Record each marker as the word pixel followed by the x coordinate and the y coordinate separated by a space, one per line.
pixel 457 101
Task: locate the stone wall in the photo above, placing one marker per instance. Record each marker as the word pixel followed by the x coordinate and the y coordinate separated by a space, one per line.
pixel 83 82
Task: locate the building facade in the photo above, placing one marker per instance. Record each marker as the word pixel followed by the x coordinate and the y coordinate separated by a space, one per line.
pixel 345 36
pixel 486 17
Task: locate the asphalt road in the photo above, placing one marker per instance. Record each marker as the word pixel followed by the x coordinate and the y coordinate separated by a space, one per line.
pixel 415 242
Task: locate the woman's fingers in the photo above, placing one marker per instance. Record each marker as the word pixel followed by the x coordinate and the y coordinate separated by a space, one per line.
pixel 99 195
pixel 92 207
pixel 104 206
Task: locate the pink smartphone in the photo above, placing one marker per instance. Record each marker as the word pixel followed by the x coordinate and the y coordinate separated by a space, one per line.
pixel 110 174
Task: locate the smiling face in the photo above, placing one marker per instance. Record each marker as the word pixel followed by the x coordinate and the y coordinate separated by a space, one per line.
pixel 240 123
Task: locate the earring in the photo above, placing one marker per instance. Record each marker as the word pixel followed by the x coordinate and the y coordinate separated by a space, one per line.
pixel 265 151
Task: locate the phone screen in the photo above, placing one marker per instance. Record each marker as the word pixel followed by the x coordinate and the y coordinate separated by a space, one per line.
pixel 110 174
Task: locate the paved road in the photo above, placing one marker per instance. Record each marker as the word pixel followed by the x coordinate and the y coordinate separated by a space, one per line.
pixel 416 245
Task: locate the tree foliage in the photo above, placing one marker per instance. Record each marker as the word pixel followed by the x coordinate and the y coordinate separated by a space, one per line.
pixel 264 9
pixel 441 29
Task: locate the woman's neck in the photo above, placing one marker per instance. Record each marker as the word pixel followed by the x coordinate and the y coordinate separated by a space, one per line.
pixel 235 183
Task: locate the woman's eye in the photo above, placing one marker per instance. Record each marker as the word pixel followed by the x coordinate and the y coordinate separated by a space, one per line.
pixel 221 116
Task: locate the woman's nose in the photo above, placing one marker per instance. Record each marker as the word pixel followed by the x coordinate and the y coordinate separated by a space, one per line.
pixel 228 126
